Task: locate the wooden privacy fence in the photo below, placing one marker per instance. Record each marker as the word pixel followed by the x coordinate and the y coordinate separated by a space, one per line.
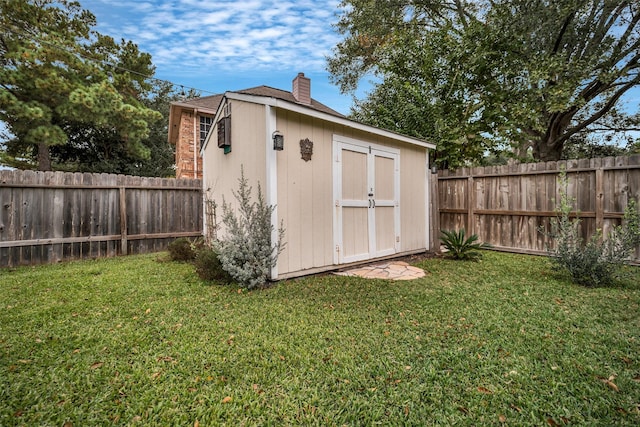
pixel 47 217
pixel 507 206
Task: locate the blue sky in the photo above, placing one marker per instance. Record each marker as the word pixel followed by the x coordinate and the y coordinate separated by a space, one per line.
pixel 224 45
pixel 229 45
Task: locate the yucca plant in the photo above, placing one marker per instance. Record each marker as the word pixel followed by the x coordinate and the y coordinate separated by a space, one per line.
pixel 461 247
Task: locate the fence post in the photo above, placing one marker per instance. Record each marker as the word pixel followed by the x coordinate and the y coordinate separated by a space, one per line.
pixel 599 199
pixel 471 200
pixel 123 220
pixel 434 235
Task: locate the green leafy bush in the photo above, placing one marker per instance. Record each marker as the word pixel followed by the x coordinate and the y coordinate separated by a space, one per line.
pixel 209 267
pixel 461 247
pixel 182 249
pixel 247 252
pixel 596 262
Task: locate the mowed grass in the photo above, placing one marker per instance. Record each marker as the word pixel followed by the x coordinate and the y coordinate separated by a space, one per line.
pixel 137 341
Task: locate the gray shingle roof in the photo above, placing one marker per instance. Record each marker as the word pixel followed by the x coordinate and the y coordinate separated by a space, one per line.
pixel 209 102
pixel 287 96
pixel 212 102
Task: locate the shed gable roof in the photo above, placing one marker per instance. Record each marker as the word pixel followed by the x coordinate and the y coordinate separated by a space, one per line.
pixel 306 110
pixel 283 99
pixel 284 95
pixel 213 102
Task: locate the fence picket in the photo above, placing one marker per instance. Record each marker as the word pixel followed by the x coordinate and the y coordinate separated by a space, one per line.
pixel 508 205
pixel 52 216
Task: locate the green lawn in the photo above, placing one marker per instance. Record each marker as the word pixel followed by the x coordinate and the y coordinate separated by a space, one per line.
pixel 137 341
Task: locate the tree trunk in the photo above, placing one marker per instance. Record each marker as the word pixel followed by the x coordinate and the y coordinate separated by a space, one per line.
pixel 44 157
pixel 545 151
pixel 548 148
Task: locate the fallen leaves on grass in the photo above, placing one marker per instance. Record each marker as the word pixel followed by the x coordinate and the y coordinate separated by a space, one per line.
pixel 166 359
pixel 97 365
pixel 227 399
pixel 484 390
pixel 609 382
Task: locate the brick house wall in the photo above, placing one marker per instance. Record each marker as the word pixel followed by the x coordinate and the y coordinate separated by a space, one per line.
pixel 188 147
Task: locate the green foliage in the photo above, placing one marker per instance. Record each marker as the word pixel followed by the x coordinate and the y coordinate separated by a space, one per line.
pixel 477 76
pixel 460 247
pixel 55 78
pixel 133 341
pixel 182 249
pixel 208 266
pixel 204 258
pixel 247 252
pixel 101 150
pixel 591 148
pixel 598 261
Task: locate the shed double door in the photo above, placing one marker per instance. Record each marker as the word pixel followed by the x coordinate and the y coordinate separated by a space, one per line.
pixel 367 192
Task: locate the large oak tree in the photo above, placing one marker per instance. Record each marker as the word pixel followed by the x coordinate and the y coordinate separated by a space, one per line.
pixel 58 75
pixel 478 75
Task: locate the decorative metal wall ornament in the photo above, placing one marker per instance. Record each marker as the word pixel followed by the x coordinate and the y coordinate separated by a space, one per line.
pixel 306 149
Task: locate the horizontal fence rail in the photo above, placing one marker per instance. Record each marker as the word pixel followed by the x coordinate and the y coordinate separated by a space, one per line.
pixel 513 207
pixel 47 217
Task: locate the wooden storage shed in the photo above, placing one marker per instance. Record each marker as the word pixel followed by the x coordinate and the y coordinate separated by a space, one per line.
pixel 346 192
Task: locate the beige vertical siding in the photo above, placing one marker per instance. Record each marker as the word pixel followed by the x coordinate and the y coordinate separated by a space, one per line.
pixel 413 205
pixel 305 192
pixel 305 189
pixel 221 172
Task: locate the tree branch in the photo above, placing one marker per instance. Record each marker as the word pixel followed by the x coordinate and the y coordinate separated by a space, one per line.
pixel 598 115
pixel 563 30
pixel 596 87
pixel 628 31
pixel 615 129
pixel 584 41
pixel 603 26
pixel 461 14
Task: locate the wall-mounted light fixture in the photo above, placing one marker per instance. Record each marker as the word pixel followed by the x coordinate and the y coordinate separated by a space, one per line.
pixel 278 140
pixel 434 169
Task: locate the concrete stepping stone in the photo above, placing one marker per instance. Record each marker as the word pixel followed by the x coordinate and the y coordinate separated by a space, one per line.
pixel 395 270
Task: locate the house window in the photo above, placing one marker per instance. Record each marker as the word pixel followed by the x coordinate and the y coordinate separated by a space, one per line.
pixel 205 125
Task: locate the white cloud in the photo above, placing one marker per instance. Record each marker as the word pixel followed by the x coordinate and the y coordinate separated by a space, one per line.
pixel 224 35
